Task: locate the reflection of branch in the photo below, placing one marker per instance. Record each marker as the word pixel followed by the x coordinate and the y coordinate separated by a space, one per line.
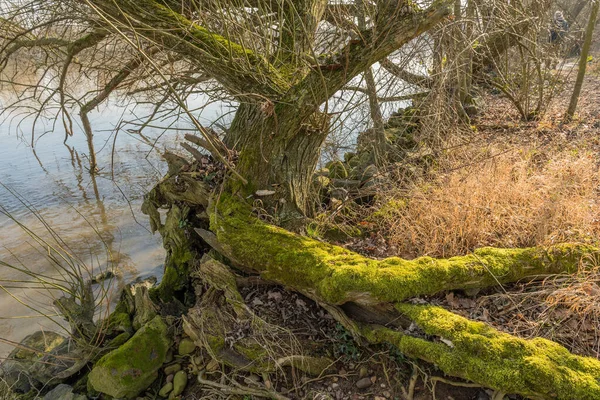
pixel 73 49
pixel 100 97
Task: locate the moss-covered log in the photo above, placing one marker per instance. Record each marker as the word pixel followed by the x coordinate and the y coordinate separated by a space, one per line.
pixel 336 275
pixel 537 368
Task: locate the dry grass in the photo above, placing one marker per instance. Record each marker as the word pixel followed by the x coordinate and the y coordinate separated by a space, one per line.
pixel 527 195
pixel 562 308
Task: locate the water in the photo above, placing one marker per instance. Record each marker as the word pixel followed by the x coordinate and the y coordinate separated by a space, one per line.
pixel 98 217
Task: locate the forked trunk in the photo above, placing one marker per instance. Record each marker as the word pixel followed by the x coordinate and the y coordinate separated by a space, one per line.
pixel 278 148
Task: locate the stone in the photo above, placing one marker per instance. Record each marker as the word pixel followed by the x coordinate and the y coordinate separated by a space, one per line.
pixel 362 372
pixel 103 276
pixel 127 371
pixel 24 367
pixel 364 383
pixel 252 379
pixel 186 346
pixel 171 369
pixel 179 383
pixel 212 366
pixel 165 390
pixel 63 392
pixel 337 170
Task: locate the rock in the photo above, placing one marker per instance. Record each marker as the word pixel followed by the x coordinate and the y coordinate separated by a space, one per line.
pixel 337 170
pixel 322 172
pixel 169 357
pixel 165 390
pixel 145 310
pixel 338 193
pixel 170 378
pixel 252 379
pixel 63 392
pixel 171 369
pixel 128 370
pixel 27 366
pixel 198 360
pixel 212 366
pixel 179 383
pixel 349 156
pixel 101 277
pixel 362 372
pixel 364 383
pixel 186 346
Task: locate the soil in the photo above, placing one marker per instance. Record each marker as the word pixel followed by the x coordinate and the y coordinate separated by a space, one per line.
pixel 358 373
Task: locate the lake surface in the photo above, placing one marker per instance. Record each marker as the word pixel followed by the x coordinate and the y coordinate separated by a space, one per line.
pixel 98 218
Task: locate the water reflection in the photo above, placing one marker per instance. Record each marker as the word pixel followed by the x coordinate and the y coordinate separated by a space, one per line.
pixel 97 216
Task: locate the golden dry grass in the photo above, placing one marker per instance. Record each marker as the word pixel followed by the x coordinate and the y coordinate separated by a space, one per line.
pixel 524 196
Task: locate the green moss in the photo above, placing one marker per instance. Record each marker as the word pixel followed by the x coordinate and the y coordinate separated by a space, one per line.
pixel 120 322
pixel 243 65
pixel 337 170
pixel 338 275
pixel 258 358
pixel 390 209
pixel 131 368
pixel 477 352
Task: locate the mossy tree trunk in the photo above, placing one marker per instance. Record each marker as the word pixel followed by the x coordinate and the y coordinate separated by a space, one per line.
pixel 279 148
pixel 372 300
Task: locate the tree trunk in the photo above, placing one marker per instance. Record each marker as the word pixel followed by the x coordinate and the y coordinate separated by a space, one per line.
pixel 589 32
pixel 279 148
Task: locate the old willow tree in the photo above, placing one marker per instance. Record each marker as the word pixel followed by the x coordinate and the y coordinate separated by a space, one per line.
pixel 281 61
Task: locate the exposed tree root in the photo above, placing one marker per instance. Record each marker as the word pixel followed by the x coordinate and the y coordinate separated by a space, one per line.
pixel 367 297
pixel 337 276
pixel 471 350
pixel 222 324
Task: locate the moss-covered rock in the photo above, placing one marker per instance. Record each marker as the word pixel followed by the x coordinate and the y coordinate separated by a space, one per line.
pixel 179 384
pixel 128 370
pixel 186 346
pixel 19 367
pixel 337 170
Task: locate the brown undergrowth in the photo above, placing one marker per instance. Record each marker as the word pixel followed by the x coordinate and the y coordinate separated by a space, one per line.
pixel 508 184
pixel 520 196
